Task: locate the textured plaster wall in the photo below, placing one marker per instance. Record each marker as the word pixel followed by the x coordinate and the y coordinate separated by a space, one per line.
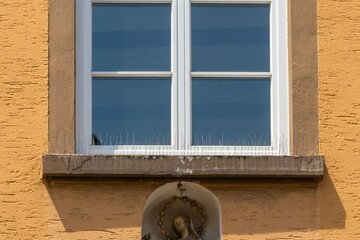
pixel 339 71
pixel 23 117
pixel 31 208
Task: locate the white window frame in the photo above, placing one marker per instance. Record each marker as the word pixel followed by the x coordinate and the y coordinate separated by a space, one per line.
pixel 181 76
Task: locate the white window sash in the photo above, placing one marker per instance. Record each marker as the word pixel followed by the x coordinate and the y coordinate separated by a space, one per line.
pixel 84 77
pixel 181 76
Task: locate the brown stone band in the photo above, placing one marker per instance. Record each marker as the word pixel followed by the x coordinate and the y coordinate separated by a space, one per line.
pixel 184 167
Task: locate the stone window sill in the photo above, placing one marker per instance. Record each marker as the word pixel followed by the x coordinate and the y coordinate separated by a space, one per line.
pixel 275 167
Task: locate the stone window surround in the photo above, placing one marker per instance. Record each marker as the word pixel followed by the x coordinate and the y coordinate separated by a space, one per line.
pixel 303 82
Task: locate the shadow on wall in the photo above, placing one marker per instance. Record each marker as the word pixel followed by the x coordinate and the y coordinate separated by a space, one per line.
pixel 279 207
pixel 247 208
pixel 84 205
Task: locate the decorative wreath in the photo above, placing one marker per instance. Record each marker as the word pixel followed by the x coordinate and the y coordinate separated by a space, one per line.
pixel 201 213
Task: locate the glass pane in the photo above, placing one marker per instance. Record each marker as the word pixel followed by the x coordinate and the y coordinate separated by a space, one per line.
pixel 233 112
pixel 131 111
pixel 131 37
pixel 230 37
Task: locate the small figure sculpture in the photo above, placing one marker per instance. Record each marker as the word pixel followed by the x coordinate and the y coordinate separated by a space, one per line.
pixel 184 228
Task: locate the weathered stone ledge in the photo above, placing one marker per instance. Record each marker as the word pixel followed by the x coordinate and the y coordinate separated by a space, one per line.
pixel 290 167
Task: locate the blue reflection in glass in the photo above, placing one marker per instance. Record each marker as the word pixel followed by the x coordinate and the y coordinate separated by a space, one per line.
pixel 232 112
pixel 233 37
pixel 131 37
pixel 131 111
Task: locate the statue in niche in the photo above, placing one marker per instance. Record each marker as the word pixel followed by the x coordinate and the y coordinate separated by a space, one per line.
pixel 184 228
pixel 181 226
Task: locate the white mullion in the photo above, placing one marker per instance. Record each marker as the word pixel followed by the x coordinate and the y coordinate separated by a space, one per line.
pixel 251 75
pixel 188 79
pixel 139 74
pixel 233 1
pixel 175 79
pixel 131 1
pixel 181 75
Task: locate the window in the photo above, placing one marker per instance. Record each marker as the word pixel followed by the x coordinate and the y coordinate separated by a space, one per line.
pixel 200 77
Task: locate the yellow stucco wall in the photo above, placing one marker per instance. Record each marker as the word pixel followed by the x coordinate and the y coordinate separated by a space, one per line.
pixel 71 209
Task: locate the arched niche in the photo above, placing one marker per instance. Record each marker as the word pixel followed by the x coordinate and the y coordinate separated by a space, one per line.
pixel 162 195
